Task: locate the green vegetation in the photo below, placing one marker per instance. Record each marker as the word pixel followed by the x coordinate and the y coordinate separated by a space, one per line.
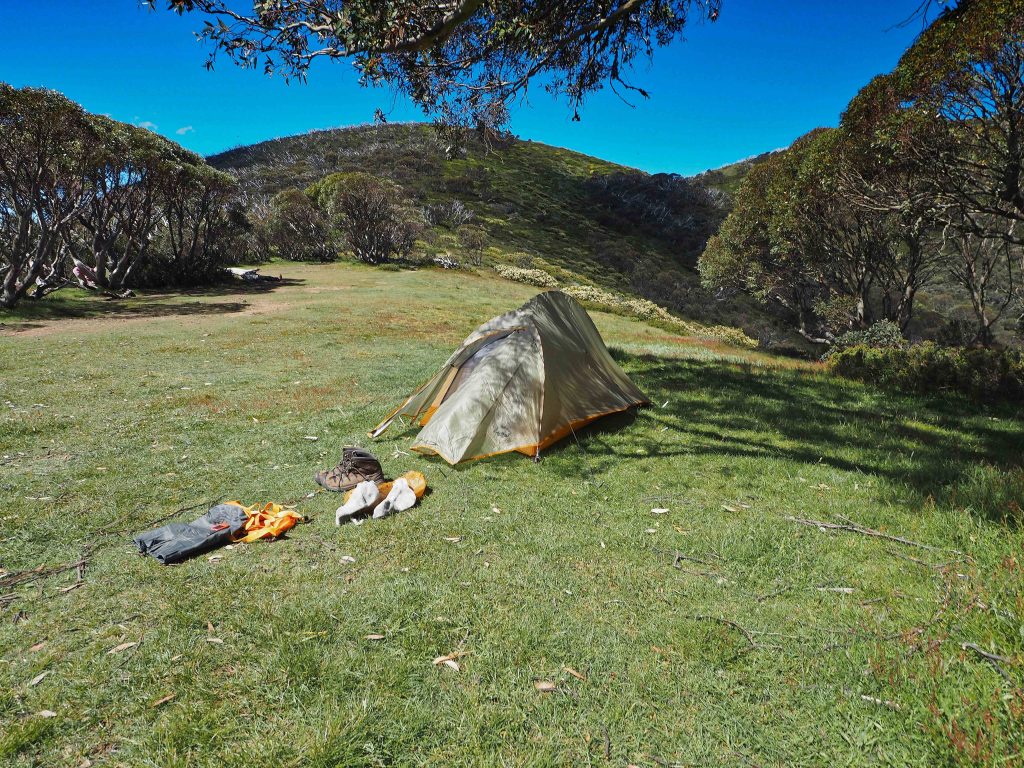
pixel 720 632
pixel 114 204
pixel 919 191
pixel 525 205
pixel 462 62
pixel 985 375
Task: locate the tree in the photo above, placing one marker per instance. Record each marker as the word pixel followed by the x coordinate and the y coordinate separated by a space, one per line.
pixel 116 228
pixel 370 213
pixel 985 268
pixel 756 250
pixel 196 205
pixel 47 149
pixel 461 60
pixel 296 228
pixel 954 106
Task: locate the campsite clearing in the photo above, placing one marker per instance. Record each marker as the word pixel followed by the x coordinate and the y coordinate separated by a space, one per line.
pixel 524 613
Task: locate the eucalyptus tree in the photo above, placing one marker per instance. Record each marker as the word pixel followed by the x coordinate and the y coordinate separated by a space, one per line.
pixel 462 61
pixel 757 251
pixel 118 225
pixel 47 152
pixel 195 202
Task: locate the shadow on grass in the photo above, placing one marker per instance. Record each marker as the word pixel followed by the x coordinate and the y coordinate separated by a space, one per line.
pixel 79 304
pixel 925 448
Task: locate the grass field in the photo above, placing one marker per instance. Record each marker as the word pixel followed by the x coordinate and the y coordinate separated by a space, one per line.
pixel 719 633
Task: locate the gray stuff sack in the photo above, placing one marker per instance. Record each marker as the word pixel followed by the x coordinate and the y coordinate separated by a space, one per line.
pixel 175 542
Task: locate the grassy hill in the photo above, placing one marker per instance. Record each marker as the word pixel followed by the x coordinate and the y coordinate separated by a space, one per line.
pixel 579 219
pixel 728 178
pixel 719 632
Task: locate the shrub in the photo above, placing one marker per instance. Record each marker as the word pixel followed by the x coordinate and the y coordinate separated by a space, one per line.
pixel 643 309
pixel 884 334
pixel 473 240
pixel 981 374
pixel 451 214
pixel 537 277
pixel 370 213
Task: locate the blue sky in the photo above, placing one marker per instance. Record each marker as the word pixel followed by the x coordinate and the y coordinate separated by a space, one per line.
pixel 764 74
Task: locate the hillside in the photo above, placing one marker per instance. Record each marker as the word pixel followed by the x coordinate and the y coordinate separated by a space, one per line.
pixel 728 178
pixel 580 219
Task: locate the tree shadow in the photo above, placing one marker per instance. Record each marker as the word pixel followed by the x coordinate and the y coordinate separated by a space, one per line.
pixel 924 448
pixel 79 304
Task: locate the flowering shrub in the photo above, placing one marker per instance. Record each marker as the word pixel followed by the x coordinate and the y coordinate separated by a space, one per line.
pixel 598 298
pixel 537 277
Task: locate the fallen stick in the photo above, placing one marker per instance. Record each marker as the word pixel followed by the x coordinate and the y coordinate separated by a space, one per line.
pixel 680 556
pixel 729 622
pixel 852 527
pixel 40 572
pixel 991 658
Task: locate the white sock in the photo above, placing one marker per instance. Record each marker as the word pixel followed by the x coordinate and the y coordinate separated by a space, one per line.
pixel 363 496
pixel 401 498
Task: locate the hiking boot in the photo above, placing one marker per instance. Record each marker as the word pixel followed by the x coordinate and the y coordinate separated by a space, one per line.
pixel 356 466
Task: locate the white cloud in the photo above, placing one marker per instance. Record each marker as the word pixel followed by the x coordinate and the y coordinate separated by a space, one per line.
pixel 147 125
pixel 185 129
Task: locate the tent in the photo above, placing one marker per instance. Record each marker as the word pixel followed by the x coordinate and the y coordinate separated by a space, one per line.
pixel 520 382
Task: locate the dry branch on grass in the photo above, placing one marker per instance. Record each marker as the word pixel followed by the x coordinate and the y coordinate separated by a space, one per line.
pixel 853 527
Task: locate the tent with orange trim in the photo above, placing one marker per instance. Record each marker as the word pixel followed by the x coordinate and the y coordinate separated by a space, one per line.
pixel 519 382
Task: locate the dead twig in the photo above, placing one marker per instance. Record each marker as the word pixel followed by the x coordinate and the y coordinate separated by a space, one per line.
pixel 776 593
pixel 41 572
pixel 680 556
pixel 992 658
pixel 852 527
pixel 730 623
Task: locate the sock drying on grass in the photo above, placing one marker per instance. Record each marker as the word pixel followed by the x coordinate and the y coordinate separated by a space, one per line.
pixel 401 498
pixel 363 495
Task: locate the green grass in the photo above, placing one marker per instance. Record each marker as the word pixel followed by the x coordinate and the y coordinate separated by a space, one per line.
pixel 126 412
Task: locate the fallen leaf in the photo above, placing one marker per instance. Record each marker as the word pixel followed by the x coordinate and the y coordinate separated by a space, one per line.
pixel 651 530
pixel 179 656
pixel 574 673
pixel 453 539
pixel 727 508
pixel 449 657
pixel 38 679
pixel 216 640
pixel 374 637
pixel 209 626
pixel 122 647
pixel 452 664
pixel 47 713
pixel 347 559
pixel 164 700
pixel 215 558
pixel 545 686
pixel 659 511
pixel 37 646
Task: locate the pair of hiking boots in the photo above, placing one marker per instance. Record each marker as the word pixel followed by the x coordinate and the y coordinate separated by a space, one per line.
pixel 356 466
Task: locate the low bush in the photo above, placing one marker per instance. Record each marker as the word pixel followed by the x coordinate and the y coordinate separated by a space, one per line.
pixel 884 334
pixel 981 374
pixel 537 277
pixel 643 309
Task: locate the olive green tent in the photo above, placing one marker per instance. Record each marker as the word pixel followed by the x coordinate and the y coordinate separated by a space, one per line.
pixel 520 382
